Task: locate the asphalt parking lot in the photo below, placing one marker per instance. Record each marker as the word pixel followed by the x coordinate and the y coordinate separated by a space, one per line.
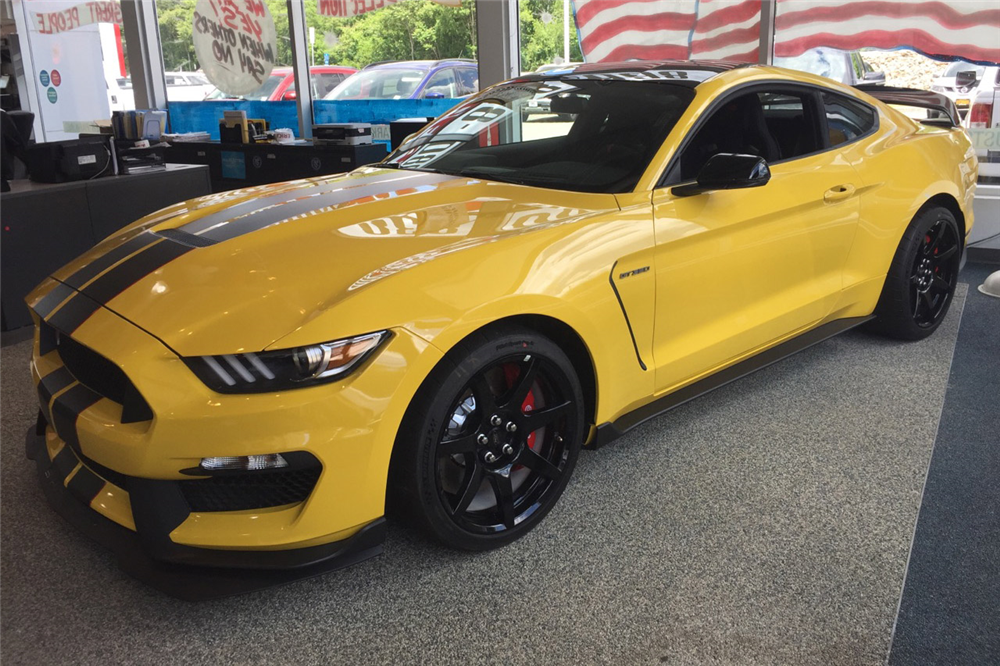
pixel 768 522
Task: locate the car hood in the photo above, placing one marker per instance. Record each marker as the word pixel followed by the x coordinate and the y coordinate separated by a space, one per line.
pixel 237 271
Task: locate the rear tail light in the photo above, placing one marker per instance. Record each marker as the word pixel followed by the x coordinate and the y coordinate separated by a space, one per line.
pixel 980 115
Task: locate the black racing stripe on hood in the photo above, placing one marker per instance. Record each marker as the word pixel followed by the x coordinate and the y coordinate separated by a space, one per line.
pixel 308 201
pixel 256 203
pixel 109 259
pixel 89 299
pixel 48 303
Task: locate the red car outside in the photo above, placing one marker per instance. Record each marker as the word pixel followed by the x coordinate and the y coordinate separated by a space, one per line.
pixel 280 85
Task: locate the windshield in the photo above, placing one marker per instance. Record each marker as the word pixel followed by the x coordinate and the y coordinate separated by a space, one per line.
pixel 261 94
pixel 823 62
pixel 956 67
pixel 389 83
pixel 568 133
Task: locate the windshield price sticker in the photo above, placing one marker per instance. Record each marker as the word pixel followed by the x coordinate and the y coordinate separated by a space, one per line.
pixel 235 42
pixel 649 75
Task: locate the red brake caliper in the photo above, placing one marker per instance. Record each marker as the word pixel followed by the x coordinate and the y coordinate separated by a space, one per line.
pixel 511 372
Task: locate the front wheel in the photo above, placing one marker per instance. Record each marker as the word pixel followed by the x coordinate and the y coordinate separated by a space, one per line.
pixel 922 277
pixel 490 441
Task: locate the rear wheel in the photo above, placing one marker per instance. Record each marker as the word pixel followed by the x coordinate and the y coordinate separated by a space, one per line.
pixel 490 441
pixel 922 278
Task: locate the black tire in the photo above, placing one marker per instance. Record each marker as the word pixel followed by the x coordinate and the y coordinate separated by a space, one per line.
pixel 922 278
pixel 500 418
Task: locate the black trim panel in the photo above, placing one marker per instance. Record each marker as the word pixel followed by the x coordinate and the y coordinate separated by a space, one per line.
pixel 635 346
pixel 608 432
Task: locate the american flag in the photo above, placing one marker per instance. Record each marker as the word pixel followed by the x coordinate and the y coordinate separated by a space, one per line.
pixel 967 29
pixel 612 30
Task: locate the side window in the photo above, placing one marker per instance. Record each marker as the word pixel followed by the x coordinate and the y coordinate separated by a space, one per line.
pixel 468 80
pixel 846 119
pixel 793 126
pixel 441 83
pixel 775 126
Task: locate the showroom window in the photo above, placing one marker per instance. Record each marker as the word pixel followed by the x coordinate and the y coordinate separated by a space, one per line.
pixel 243 49
pixel 411 59
pixel 548 40
pixel 71 65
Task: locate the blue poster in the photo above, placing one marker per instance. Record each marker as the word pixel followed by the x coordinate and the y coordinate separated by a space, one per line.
pixel 234 165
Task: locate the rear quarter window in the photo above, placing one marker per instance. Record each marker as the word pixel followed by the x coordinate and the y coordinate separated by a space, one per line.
pixel 847 119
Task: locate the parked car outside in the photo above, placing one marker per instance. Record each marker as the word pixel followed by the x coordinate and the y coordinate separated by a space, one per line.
pixel 411 79
pixel 985 115
pixel 280 86
pixel 848 67
pixel 962 95
pixel 186 86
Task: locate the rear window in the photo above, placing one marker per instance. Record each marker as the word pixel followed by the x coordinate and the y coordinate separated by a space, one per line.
pixel 847 119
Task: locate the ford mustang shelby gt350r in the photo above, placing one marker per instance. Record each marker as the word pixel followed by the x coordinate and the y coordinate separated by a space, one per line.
pixel 248 379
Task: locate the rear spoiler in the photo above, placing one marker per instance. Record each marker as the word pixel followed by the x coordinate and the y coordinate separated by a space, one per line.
pixel 944 113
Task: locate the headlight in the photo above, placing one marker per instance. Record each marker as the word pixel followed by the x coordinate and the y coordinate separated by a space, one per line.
pixel 286 368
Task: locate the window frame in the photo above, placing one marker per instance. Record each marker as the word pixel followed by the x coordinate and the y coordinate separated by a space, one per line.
pixel 668 178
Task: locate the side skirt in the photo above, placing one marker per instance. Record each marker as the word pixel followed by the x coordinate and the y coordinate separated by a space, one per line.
pixel 609 432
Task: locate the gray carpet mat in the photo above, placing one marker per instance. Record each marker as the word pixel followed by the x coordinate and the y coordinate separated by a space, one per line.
pixel 768 522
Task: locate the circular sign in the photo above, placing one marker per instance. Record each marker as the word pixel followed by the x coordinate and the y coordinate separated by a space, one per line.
pixel 53 95
pixel 43 76
pixel 56 77
pixel 235 44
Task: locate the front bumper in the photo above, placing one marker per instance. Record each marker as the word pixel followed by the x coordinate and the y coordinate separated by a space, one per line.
pixel 148 554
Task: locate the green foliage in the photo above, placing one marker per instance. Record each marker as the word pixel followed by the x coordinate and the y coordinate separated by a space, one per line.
pixel 542 43
pixel 408 30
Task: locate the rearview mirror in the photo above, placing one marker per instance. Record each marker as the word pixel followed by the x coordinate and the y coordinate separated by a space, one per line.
pixel 727 171
pixel 290 95
pixel 875 77
pixel 435 94
pixel 965 79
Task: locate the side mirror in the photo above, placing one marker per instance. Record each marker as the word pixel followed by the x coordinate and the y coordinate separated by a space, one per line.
pixel 875 77
pixel 966 79
pixel 290 96
pixel 434 95
pixel 727 171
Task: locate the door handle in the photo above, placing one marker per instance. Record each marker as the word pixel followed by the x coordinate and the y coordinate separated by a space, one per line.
pixel 838 193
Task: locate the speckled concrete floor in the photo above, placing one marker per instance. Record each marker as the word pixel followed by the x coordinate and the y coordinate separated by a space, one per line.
pixel 768 522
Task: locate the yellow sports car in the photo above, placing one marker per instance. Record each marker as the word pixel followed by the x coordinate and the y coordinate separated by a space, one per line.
pixel 247 380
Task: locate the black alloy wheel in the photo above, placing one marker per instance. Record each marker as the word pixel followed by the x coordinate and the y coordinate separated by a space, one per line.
pixel 935 273
pixel 922 278
pixel 499 436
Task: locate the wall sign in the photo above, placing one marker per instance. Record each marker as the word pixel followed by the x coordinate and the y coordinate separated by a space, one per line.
pixel 345 8
pixel 235 42
pixel 85 13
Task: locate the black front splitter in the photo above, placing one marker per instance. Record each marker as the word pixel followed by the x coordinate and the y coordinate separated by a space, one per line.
pixel 193 582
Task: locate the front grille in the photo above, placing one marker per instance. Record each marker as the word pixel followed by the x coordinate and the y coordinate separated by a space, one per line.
pixel 253 490
pixel 99 375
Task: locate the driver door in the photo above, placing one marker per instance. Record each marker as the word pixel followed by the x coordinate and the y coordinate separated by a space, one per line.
pixel 739 270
